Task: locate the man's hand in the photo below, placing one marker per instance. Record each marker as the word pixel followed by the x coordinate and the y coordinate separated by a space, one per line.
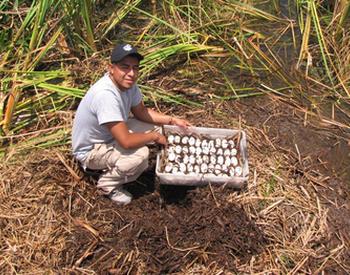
pixel 180 122
pixel 160 139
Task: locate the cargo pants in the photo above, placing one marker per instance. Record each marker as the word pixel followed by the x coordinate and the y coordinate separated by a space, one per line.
pixel 119 165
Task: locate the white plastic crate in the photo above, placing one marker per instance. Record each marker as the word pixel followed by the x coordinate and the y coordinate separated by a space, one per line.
pixel 202 179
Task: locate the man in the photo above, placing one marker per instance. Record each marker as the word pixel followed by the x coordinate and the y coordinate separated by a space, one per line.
pixel 103 135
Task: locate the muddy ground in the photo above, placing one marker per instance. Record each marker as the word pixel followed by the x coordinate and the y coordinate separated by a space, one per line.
pixel 293 215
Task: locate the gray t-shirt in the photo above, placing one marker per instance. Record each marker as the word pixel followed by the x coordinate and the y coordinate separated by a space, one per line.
pixel 102 103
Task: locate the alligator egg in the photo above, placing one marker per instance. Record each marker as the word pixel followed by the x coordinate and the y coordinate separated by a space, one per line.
pixel 191 141
pixel 220 152
pixel 185 150
pixel 206 159
pixel 231 143
pixel 199 160
pixel 178 159
pixel 212 150
pixel 198 150
pixel 196 169
pixel 178 149
pixel 170 149
pixel 189 167
pixel 227 152
pixel 204 143
pixel 171 139
pixel 227 161
pixel 177 139
pixel 171 156
pixel 232 172
pixel 192 150
pixel 217 169
pixel 224 143
pixel 238 171
pixel 213 159
pixel 168 168
pixel 182 167
pixel 234 161
pixel 175 170
pixel 217 142
pixel 224 168
pixel 211 167
pixel 211 143
pixel 185 159
pixel 220 160
pixel 205 150
pixel 204 168
pixel 233 151
pixel 184 140
pixel 192 159
pixel 198 142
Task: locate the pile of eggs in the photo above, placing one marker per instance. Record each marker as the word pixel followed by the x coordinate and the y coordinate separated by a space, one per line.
pixel 193 156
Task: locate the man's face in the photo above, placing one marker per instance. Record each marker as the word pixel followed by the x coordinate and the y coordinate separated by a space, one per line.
pixel 125 72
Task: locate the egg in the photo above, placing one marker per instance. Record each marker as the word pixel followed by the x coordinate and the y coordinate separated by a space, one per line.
pixel 205 150
pixel 231 143
pixel 175 170
pixel 204 143
pixel 233 151
pixel 213 159
pixel 234 161
pixel 204 168
pixel 238 171
pixel 168 167
pixel 171 156
pixel 217 142
pixel 227 152
pixel 198 142
pixel 185 150
pixel 192 150
pixel 185 159
pixel 196 169
pixel 184 140
pixel 219 151
pixel 206 159
pixel 211 167
pixel 227 161
pixel 211 143
pixel 171 139
pixel 190 168
pixel 191 141
pixel 177 139
pixel 192 159
pixel 182 167
pixel 224 143
pixel 198 150
pixel 212 150
pixel 178 149
pixel 199 160
pixel 232 172
pixel 220 160
pixel 217 169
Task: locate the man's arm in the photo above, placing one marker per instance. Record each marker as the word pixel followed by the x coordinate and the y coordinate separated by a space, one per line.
pixel 128 140
pixel 141 112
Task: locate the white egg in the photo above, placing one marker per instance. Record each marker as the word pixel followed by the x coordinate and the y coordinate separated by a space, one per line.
pixel 220 160
pixel 170 149
pixel 234 161
pixel 206 159
pixel 171 156
pixel 178 159
pixel 205 150
pixel 185 150
pixel 198 142
pixel 232 172
pixel 186 159
pixel 204 143
pixel 168 167
pixel 213 159
pixel 231 143
pixel 224 168
pixel 238 171
pixel 199 160
pixel 227 161
pixel 184 140
pixel 171 139
pixel 227 152
pixel 219 151
pixel 211 144
pixel 196 169
pixel 224 143
pixel 192 150
pixel 217 169
pixel 177 139
pixel 191 141
pixel 198 150
pixel 190 168
pixel 182 167
pixel 217 142
pixel 192 159
pixel 175 170
pixel 212 150
pixel 204 168
pixel 233 151
pixel 178 149
pixel 211 167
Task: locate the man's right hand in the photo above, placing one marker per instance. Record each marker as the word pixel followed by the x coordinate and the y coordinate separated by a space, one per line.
pixel 160 139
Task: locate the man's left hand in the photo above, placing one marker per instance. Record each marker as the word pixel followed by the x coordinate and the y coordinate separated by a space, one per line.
pixel 180 122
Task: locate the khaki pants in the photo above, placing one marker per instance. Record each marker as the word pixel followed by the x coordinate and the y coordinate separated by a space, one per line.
pixel 119 165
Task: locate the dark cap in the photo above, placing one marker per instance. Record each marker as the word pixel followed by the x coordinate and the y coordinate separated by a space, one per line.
pixel 122 50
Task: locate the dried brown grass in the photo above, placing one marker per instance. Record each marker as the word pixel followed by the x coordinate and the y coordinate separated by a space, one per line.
pixel 40 191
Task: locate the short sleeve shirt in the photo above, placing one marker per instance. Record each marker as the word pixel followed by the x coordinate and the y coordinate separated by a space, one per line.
pixel 102 103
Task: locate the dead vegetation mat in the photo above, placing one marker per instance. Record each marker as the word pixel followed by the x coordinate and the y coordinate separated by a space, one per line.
pixel 292 217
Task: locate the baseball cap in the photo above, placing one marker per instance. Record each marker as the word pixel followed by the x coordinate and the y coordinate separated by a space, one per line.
pixel 122 50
